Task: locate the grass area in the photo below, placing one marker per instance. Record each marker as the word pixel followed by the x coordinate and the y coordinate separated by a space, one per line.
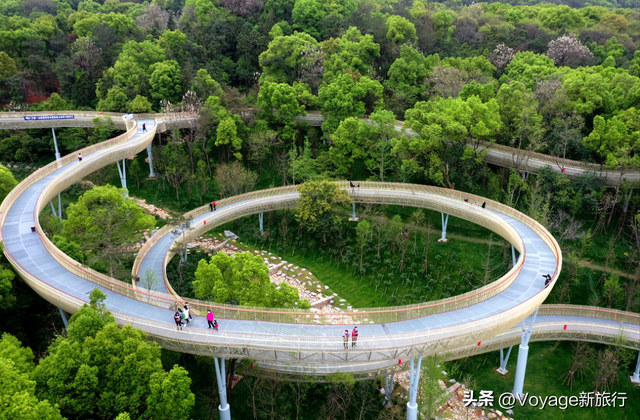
pixel 451 268
pixel 547 363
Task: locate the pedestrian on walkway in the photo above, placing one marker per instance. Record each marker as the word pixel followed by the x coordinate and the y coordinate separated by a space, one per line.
pixel 178 318
pixel 215 325
pixel 484 205
pixel 351 184
pixel 210 206
pixel 186 313
pixel 354 336
pixel 186 307
pixel 181 317
pixel 210 318
pixel 345 337
pixel 79 158
pixel 547 280
pixel 213 203
pixel 144 127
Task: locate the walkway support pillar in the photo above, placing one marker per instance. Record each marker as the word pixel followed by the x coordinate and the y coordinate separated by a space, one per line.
pixel 59 207
pixel 503 362
pixel 151 173
pixel 221 376
pixel 261 220
pixel 414 378
pixel 445 221
pixel 513 255
pixel 123 176
pixel 53 209
pixel 64 318
pixel 388 388
pixel 55 143
pixel 523 352
pixel 626 202
pixel 635 378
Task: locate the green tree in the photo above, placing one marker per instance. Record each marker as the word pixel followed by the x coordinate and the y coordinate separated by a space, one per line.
pixel 242 280
pixel 521 123
pixel 166 81
pixel 317 207
pixel 353 53
pixel 22 357
pixel 430 394
pixel 17 396
pixel 204 85
pixel 283 59
pixel 104 370
pixel 139 105
pixel 116 100
pixel 227 135
pixel 306 16
pixel 348 96
pixel 444 126
pixel 167 399
pixel 102 222
pixel 528 68
pixel 7 182
pixel 406 78
pixel 363 235
pixel 383 130
pixel 400 30
pixel 7 65
pixel 7 300
pixel 279 103
pixel 348 144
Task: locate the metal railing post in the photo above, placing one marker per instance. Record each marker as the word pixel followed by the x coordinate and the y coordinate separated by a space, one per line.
pixel 388 388
pixel 221 376
pixel 64 318
pixel 55 143
pixel 151 173
pixel 635 378
pixel 523 352
pixel 503 361
pixel 445 221
pixel 261 221
pixel 414 378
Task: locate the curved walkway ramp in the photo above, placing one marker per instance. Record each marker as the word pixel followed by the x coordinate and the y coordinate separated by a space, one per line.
pixel 504 156
pixel 554 323
pixel 282 336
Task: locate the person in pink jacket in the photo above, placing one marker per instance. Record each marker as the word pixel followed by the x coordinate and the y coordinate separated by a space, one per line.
pixel 210 318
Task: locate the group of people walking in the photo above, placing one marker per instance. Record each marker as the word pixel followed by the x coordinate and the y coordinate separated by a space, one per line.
pixel 183 317
pixel 353 335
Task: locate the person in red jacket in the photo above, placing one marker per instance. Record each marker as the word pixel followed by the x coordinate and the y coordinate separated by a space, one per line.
pixel 354 336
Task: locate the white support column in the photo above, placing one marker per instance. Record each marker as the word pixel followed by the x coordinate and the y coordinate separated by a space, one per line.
pixel 388 388
pixel 523 352
pixel 445 221
pixel 503 362
pixel 55 143
pixel 123 176
pixel 59 207
pixel 223 409
pixel 635 378
pixel 151 173
pixel 513 255
pixel 414 379
pixel 626 202
pixel 53 209
pixel 261 220
pixel 64 318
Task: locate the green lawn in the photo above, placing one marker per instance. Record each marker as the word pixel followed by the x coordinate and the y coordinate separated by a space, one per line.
pixel 547 363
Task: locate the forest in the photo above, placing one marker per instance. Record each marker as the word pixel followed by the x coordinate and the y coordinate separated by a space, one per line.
pixel 304 92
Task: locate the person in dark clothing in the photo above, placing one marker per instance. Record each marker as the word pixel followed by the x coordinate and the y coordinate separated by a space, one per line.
pixel 144 127
pixel 211 206
pixel 351 184
pixel 178 319
pixel 484 205
pixel 358 185
pixel 547 280
pixel 79 158
pixel 215 324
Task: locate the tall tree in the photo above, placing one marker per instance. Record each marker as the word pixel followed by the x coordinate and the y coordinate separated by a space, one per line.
pixel 317 207
pixel 106 224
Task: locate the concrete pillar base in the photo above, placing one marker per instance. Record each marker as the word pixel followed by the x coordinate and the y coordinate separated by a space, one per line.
pixel 635 380
pixel 412 411
pixel 502 371
pixel 225 413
